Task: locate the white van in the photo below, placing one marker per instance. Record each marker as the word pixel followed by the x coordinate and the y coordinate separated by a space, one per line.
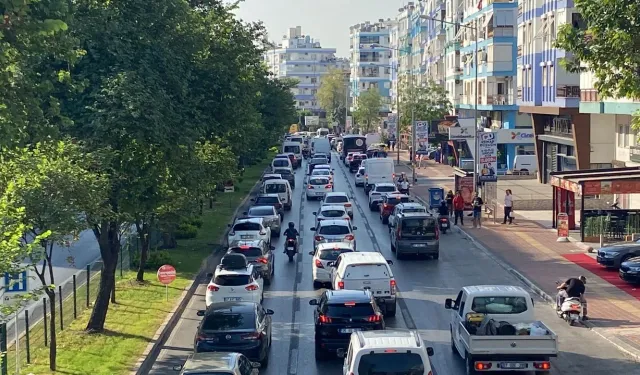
pixel 525 163
pixel 376 171
pixel 321 145
pixel 386 352
pixel 295 148
pixel 280 187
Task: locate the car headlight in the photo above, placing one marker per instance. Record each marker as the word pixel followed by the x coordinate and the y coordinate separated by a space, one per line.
pixel 610 255
pixel 634 269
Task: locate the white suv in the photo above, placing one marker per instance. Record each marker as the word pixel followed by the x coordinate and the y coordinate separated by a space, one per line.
pixel 388 351
pixel 375 194
pixel 235 280
pixel 249 229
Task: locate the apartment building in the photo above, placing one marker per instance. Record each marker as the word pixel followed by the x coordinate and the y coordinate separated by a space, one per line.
pixel 301 57
pixel 370 60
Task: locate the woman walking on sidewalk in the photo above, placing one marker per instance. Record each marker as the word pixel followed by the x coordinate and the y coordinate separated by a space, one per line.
pixel 458 208
pixel 508 207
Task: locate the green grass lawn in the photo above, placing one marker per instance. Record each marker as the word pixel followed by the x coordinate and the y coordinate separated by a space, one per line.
pixel 141 308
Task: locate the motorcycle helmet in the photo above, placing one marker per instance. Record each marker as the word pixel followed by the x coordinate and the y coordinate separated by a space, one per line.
pixel 291 225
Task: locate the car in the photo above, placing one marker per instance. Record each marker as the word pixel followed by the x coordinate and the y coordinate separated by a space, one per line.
pixel 241 327
pixel 324 254
pixel 282 188
pixel 354 164
pixel 281 163
pixel 287 174
pixel 359 179
pixel 316 161
pixel 259 254
pixel 235 279
pixel 349 157
pixel 292 158
pixel 402 208
pixel 614 255
pixel 331 212
pixel 415 234
pixel 388 203
pixel 323 155
pixel 322 172
pixel 269 200
pixel 375 195
pixel 296 149
pixel 630 270
pixel 334 231
pixel 341 199
pixel 338 314
pixel 270 215
pixel 318 186
pixel 387 352
pixel 253 228
pixel 271 176
pixel 218 363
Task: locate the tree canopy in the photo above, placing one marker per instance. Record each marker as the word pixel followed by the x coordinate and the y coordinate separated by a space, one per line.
pixel 428 101
pixel 367 111
pixel 332 95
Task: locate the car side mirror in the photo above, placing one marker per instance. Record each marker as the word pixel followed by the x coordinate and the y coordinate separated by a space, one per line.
pixel 269 312
pixel 200 313
pixel 313 229
pixel 272 247
pixel 177 368
pixel 253 200
pixel 429 351
pixel 355 228
pixel 313 302
pixel 331 264
pixel 210 275
pixel 390 262
pixel 411 200
pixel 312 253
pixel 255 364
pixel 315 213
pixel 448 304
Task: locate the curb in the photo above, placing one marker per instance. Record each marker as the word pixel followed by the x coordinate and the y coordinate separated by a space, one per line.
pixel 148 358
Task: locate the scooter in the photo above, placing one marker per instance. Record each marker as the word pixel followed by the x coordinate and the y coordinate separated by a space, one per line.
pixel 571 310
pixel 444 224
pixel 290 247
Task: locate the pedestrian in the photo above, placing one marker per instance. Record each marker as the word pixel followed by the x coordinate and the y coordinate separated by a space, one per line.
pixel 411 154
pixel 449 199
pixel 508 207
pixel 458 208
pixel 477 210
pixel 421 157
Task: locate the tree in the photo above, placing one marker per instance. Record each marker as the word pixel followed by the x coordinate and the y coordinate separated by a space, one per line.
pixel 429 102
pixel 53 183
pixel 332 95
pixel 368 109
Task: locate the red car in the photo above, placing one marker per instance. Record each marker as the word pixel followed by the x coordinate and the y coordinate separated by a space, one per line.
pixel 389 202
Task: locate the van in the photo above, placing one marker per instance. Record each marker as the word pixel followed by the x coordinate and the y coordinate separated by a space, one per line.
pixel 415 233
pixel 321 145
pixel 296 149
pixel 280 187
pixel 376 171
pixel 525 164
pixel 281 163
pixel 386 352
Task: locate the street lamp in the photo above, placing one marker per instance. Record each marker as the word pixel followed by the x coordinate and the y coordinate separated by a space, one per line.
pixel 475 107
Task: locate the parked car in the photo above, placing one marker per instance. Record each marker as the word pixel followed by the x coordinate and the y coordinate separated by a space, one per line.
pixel 613 256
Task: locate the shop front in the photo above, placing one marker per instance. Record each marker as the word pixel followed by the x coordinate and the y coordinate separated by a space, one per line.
pixel 514 142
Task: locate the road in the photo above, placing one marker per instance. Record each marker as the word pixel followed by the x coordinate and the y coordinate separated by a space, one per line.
pixel 423 285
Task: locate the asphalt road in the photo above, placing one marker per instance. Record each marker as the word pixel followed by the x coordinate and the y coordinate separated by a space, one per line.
pixel 423 285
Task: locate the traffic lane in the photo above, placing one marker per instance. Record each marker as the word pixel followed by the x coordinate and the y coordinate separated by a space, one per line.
pixel 278 296
pixel 424 284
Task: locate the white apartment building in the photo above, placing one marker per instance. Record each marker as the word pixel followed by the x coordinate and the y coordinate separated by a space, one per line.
pixel 301 57
pixel 406 47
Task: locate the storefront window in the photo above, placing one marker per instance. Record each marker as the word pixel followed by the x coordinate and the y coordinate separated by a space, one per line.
pixel 502 156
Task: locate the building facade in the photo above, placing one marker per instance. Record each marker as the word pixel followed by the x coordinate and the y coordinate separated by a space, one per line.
pixel 370 59
pixel 301 57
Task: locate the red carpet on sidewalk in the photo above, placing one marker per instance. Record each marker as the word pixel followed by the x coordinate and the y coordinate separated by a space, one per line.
pixel 610 276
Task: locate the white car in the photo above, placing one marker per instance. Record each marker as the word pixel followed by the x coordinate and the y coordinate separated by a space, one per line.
pixel 322 256
pixel 375 194
pixel 253 228
pixel 331 212
pixel 234 282
pixel 360 177
pixel 341 199
pixel 403 208
pixel 318 186
pixel 322 172
pixel 329 231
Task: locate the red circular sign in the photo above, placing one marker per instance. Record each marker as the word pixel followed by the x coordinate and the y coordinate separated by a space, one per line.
pixel 166 274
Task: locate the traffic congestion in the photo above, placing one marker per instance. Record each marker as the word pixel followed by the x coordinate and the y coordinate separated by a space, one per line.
pixel 335 270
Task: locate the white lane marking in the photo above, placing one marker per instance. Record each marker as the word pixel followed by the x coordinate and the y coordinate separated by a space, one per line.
pixel 293 361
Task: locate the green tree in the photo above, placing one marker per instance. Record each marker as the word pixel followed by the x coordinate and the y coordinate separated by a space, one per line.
pixel 332 95
pixel 367 112
pixel 429 102
pixel 53 183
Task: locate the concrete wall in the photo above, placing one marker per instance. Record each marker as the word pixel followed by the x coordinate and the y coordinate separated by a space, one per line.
pixel 603 138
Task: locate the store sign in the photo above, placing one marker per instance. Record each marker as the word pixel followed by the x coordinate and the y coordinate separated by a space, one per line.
pixel 487 156
pixel 458 133
pixel 422 133
pixel 513 136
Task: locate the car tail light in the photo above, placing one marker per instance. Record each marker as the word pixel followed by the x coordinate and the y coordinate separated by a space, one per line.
pixel 251 287
pixel 324 319
pixel 347 204
pixel 319 238
pixel 437 233
pixel 252 336
pixel 542 365
pixel 262 260
pixel 340 284
pixel 443 220
pixel 392 286
pixel 374 319
pixel 213 288
pixel 319 263
pixel 309 187
pixel 349 237
pixel 480 366
pixel 278 205
pixel 328 186
pixel 575 307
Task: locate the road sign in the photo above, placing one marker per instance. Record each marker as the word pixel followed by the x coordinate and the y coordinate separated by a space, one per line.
pixel 166 274
pixel 312 120
pixel 15 283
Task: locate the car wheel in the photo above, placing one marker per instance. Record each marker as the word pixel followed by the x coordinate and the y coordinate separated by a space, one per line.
pixel 436 256
pixel 277 233
pixel 370 206
pixel 265 362
pixel 453 346
pixel 308 198
pixel 317 284
pixel 385 220
pixel 391 310
pixel 267 281
pixel 393 248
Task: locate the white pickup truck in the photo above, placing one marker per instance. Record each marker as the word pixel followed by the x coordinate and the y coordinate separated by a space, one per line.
pixel 528 350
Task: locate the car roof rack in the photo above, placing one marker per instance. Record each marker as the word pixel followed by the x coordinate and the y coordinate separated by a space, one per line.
pixel 234 261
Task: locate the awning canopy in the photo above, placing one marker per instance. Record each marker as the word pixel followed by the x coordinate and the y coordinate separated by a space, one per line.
pixel 599 181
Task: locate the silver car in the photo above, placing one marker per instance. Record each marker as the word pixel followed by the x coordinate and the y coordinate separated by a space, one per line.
pixel 270 215
pixel 331 212
pixel 218 363
pixel 334 231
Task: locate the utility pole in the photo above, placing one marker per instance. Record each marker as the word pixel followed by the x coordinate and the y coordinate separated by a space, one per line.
pixel 397 115
pixel 413 120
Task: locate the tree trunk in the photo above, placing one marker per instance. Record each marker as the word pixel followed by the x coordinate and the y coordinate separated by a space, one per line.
pixel 113 294
pixel 109 241
pixel 143 234
pixel 53 349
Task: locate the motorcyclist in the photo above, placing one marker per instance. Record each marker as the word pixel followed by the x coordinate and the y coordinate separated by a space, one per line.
pixel 291 233
pixel 443 210
pixel 573 288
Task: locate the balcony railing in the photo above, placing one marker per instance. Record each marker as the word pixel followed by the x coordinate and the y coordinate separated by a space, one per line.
pixel 565 91
pixel 520 10
pixel 520 51
pixel 634 154
pixel 559 126
pixel 519 93
pixel 500 100
pixel 589 95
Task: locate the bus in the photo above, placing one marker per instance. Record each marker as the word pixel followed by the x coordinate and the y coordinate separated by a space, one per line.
pixel 322 132
pixel 353 143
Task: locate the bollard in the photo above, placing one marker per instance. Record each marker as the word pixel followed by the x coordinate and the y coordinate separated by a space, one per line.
pixel 44 320
pixel 26 335
pixel 60 299
pixel 4 370
pixel 75 299
pixel 88 283
pixel 601 240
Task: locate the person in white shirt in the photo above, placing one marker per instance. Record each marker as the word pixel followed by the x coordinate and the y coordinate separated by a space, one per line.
pixel 508 207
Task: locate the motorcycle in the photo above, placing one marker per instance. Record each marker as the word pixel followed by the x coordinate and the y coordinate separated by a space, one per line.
pixel 571 309
pixel 290 247
pixel 444 224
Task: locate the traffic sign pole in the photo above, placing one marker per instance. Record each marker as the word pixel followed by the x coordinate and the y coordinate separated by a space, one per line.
pixel 166 275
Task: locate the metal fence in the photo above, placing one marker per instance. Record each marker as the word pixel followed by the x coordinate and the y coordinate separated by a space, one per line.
pixel 27 331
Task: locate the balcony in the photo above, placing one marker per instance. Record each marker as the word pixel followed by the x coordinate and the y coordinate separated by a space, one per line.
pixel 565 91
pixel 589 95
pixel 634 154
pixel 560 127
pixel 500 100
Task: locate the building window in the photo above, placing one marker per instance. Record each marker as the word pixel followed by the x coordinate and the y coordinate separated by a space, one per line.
pixel 544 76
pixel 500 88
pixel 552 75
pixel 623 136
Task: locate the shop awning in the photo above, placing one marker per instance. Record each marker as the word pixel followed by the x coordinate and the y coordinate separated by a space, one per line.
pixel 599 181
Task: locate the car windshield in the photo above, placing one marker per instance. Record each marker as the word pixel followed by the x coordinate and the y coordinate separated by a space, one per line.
pixel 319 161
pixel 294 149
pixel 228 322
pixel 349 309
pixel 283 172
pixel 284 162
pixel 499 305
pixel 391 364
pixel 318 181
pixel 321 172
pixel 418 225
pixel 261 211
pixel 243 227
pixel 332 213
pixel 267 178
pixel 385 189
pixel 334 230
pixel 336 199
pixel 394 200
pixel 231 280
pixel 247 251
pixel 294 139
pixel 332 254
pixel 267 200
pixel 275 188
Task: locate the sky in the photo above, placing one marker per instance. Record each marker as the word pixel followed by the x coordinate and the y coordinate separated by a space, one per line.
pixel 325 20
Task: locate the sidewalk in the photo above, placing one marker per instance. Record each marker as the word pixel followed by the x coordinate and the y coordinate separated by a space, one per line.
pixel 529 250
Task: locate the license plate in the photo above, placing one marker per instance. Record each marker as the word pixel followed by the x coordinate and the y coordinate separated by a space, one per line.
pixel 290 249
pixel 513 365
pixel 349 330
pixel 232 299
pixel 445 225
pixel 419 245
pixel 245 236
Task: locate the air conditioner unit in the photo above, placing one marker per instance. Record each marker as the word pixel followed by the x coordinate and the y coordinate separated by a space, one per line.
pixel 458 81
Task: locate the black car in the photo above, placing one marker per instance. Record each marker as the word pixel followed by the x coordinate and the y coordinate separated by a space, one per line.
pixel 241 327
pixel 630 270
pixel 316 161
pixel 286 174
pixel 269 200
pixel 340 313
pixel 354 164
